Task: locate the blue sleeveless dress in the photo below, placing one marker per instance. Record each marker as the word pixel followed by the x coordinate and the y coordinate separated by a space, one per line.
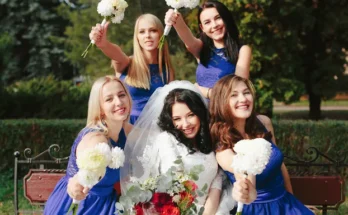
pixel 272 198
pixel 140 96
pixel 101 198
pixel 218 67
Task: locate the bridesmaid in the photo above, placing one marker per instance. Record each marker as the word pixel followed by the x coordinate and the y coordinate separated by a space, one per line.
pixel 218 51
pixel 147 69
pixel 108 113
pixel 233 118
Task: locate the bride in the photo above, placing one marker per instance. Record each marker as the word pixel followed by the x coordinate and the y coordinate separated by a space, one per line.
pixel 174 122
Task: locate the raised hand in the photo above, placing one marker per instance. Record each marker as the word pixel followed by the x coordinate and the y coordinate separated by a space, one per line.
pixel 171 17
pixel 98 34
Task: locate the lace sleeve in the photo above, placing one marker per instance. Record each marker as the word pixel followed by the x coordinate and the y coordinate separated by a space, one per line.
pixel 167 151
pixel 217 182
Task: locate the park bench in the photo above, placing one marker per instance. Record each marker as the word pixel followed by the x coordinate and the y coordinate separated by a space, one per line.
pixel 318 180
pixel 39 182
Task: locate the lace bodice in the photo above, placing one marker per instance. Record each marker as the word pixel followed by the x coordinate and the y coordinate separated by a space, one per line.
pixel 217 67
pixel 168 149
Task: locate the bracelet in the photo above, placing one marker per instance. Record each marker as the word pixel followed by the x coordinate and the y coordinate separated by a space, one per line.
pixel 208 93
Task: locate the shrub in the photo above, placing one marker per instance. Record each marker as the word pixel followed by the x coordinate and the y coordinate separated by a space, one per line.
pixel 44 98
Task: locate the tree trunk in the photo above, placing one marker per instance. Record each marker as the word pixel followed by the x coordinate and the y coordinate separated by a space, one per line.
pixel 314 107
pixel 314 102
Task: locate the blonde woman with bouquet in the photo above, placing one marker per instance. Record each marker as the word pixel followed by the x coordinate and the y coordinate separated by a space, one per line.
pixel 107 122
pixel 174 123
pixel 233 118
pixel 147 69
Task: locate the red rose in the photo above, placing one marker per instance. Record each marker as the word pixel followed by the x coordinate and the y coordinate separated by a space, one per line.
pixel 160 200
pixel 139 209
pixel 190 185
pixel 170 210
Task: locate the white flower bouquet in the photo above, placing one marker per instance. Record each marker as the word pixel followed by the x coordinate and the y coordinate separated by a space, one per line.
pixel 92 164
pixel 176 4
pixel 172 193
pixel 251 158
pixel 111 10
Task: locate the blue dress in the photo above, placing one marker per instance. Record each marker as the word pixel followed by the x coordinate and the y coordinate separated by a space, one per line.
pixel 272 198
pixel 140 96
pixel 217 67
pixel 101 198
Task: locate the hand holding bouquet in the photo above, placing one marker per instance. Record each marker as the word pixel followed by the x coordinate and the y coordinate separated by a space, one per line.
pixel 111 10
pixel 176 4
pixel 251 158
pixel 92 164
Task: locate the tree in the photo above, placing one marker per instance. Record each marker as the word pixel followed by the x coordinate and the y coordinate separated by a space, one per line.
pixel 28 30
pixel 297 45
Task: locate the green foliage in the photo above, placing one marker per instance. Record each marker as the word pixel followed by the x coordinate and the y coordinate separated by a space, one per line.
pixel 44 98
pixel 7 195
pixel 295 136
pixel 26 36
pixel 185 66
pixel 17 135
pixel 264 97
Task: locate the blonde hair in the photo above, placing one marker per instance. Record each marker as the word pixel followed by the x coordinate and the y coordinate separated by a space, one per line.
pixel 138 72
pixel 94 105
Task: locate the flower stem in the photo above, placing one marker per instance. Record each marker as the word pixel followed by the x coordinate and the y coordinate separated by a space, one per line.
pixel 73 208
pixel 161 42
pixel 85 52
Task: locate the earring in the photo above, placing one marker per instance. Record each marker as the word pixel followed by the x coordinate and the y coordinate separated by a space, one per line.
pixel 102 119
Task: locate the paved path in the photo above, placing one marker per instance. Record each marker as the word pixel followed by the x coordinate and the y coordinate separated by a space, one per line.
pixel 292 108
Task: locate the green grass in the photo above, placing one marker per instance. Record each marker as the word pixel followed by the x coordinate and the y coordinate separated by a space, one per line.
pixel 7 195
pixel 341 103
pixel 303 114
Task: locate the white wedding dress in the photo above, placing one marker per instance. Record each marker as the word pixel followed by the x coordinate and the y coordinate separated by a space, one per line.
pixel 167 149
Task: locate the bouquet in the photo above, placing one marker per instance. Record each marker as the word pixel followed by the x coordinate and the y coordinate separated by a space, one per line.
pixel 172 193
pixel 111 10
pixel 251 158
pixel 176 4
pixel 92 164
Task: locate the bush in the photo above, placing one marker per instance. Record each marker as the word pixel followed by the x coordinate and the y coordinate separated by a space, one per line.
pixel 295 136
pixel 292 136
pixel 44 98
pixel 17 135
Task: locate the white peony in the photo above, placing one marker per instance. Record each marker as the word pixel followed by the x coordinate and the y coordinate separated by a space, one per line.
pixel 93 159
pixel 105 7
pixel 191 3
pixel 112 9
pixel 252 156
pixel 90 178
pixel 120 5
pixel 175 3
pixel 117 158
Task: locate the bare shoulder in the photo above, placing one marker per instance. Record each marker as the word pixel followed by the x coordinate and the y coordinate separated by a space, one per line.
pixel 90 140
pixel 266 121
pixel 245 48
pixel 127 128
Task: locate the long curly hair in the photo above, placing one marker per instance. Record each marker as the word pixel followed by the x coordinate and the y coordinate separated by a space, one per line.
pixel 223 133
pixel 195 103
pixel 231 39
